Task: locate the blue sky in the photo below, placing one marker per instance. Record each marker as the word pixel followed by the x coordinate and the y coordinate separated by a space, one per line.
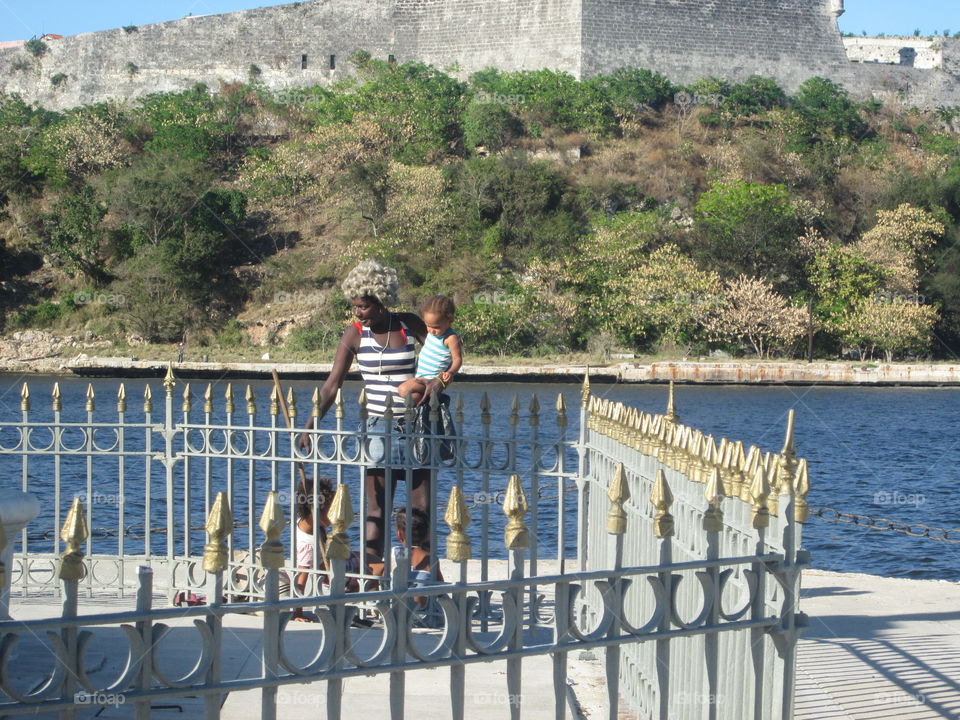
pixel 22 19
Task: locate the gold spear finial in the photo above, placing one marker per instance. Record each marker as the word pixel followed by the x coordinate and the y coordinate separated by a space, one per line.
pixel 713 492
pixel 514 410
pixel 25 397
pixel 801 511
pixel 534 411
pixel 229 406
pixel 275 401
pixel 272 522
pixel 251 399
pixel 458 409
pixel 74 533
pixel 457 518
pixel 788 458
pixel 187 398
pixel 291 403
pixel 338 411
pixel 561 407
pixel 121 399
pixel 409 409
pixel 661 498
pixel 585 388
pixel 671 415
pixel 759 495
pixel 219 526
pixel 515 507
pixel 618 493
pixel 169 381
pixel 147 399
pixel 484 409
pixel 208 398
pixel 91 395
pixel 341 517
pixel 58 397
pixel 363 405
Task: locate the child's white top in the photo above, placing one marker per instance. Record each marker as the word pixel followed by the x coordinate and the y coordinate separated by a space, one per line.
pixel 305 544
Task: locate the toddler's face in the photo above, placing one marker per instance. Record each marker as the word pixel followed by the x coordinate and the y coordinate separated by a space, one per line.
pixel 436 323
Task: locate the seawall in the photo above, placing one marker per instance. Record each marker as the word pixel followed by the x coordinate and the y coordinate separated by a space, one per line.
pixel 705 373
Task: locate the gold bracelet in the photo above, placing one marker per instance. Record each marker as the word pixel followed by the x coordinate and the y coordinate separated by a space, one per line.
pixel 443 385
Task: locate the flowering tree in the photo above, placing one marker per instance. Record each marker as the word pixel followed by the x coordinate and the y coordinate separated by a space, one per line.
pixel 899 243
pixel 668 296
pixel 893 326
pixel 751 310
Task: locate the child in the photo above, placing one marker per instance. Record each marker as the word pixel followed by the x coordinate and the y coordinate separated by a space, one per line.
pixel 306 540
pixel 442 354
pixel 427 609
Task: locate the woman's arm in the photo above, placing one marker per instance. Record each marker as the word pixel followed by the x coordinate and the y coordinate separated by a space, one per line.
pixel 342 360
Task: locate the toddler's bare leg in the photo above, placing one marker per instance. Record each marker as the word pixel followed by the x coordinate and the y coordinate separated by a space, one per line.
pixel 413 387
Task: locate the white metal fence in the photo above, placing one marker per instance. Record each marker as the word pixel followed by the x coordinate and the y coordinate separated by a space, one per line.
pixel 688 559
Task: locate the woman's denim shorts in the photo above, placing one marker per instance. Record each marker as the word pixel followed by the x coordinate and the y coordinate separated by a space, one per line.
pixel 377 440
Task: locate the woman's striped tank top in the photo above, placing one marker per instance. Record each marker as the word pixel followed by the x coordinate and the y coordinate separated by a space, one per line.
pixel 385 369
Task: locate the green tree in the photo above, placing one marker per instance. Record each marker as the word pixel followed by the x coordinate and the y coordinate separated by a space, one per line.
pixel 825 111
pixel 754 96
pixel 490 124
pixel 72 234
pixel 155 194
pixel 752 229
pixel 841 278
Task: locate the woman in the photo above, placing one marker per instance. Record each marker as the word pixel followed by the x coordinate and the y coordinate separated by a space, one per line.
pixel 382 343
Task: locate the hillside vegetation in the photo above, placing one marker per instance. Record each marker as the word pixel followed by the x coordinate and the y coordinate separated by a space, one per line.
pixel 616 214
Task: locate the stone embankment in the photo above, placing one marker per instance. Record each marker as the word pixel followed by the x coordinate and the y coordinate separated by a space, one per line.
pixel 38 351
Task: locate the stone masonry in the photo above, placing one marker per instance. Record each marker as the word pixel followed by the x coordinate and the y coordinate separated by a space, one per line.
pixel 308 43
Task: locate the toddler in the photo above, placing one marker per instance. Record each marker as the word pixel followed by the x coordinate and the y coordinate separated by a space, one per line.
pixel 442 354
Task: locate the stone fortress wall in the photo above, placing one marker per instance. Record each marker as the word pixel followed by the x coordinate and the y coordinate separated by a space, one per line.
pixel 308 43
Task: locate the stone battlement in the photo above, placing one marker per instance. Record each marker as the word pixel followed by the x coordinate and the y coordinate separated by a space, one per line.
pixel 308 43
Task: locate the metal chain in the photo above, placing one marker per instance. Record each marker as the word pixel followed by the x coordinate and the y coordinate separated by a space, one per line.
pixel 951 536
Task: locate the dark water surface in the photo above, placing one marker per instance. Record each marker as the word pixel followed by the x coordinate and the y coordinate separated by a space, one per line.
pixel 881 452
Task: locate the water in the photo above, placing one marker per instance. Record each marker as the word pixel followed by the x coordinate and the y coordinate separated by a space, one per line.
pixel 880 452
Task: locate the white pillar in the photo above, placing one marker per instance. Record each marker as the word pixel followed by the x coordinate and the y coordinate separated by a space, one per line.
pixel 16 510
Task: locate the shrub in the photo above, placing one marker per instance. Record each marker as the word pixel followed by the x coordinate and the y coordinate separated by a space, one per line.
pixel 132 68
pixel 492 125
pixel 36 47
pixel 58 79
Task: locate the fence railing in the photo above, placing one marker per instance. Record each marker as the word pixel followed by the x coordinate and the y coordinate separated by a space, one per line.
pixel 702 501
pixel 686 574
